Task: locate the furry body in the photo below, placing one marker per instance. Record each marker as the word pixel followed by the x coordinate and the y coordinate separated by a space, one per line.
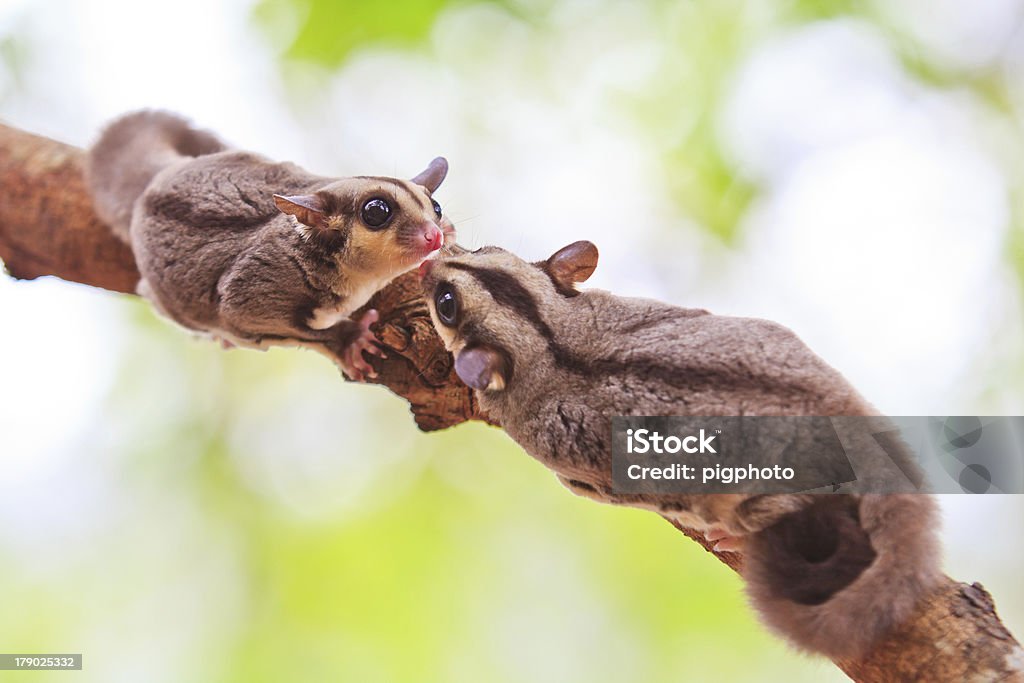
pixel 254 251
pixel 553 365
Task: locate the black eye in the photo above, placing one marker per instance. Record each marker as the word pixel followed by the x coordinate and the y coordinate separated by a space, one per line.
pixel 437 207
pixel 376 213
pixel 446 305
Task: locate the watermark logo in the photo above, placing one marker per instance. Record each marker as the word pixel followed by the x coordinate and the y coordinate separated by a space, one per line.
pixel 646 441
pixel 767 455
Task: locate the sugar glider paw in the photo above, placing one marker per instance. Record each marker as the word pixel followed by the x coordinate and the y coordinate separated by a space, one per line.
pixel 352 361
pixel 724 541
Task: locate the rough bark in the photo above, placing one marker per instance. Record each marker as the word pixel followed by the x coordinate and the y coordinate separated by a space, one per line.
pixel 955 636
pixel 48 227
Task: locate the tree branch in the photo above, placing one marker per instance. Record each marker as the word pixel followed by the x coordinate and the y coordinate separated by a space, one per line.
pixel 48 227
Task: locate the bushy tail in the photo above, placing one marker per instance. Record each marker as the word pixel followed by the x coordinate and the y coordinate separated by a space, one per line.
pixel 837 576
pixel 132 150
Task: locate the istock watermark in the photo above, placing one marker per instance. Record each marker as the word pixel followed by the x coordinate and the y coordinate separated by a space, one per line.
pixel 751 455
pixel 645 441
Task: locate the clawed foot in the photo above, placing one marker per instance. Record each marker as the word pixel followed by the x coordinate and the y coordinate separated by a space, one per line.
pixel 726 542
pixel 352 362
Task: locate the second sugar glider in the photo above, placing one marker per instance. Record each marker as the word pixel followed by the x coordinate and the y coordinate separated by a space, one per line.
pixel 553 365
pixel 258 252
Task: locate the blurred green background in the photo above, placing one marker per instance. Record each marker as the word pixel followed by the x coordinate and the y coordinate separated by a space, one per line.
pixel 180 513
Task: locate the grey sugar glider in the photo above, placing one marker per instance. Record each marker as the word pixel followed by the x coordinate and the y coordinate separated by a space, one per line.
pixel 553 364
pixel 257 252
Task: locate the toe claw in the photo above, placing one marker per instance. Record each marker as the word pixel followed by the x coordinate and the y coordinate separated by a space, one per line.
pixel 723 540
pixel 733 544
pixel 353 361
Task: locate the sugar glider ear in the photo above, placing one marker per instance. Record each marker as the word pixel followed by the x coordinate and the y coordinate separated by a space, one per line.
pixel 571 265
pixel 482 368
pixel 307 208
pixel 433 175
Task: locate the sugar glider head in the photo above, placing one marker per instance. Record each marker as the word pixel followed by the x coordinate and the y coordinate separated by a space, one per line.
pixel 377 225
pixel 496 312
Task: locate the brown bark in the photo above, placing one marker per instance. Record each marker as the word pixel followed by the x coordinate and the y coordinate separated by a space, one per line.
pixel 955 636
pixel 48 227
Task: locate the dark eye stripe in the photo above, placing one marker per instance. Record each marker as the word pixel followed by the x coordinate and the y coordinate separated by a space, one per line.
pixel 508 292
pixel 417 194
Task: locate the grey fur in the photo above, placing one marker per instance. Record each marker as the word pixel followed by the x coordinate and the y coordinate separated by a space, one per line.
pixel 218 255
pixel 558 363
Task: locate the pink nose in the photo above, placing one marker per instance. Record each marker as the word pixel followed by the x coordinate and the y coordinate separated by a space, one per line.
pixel 434 238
